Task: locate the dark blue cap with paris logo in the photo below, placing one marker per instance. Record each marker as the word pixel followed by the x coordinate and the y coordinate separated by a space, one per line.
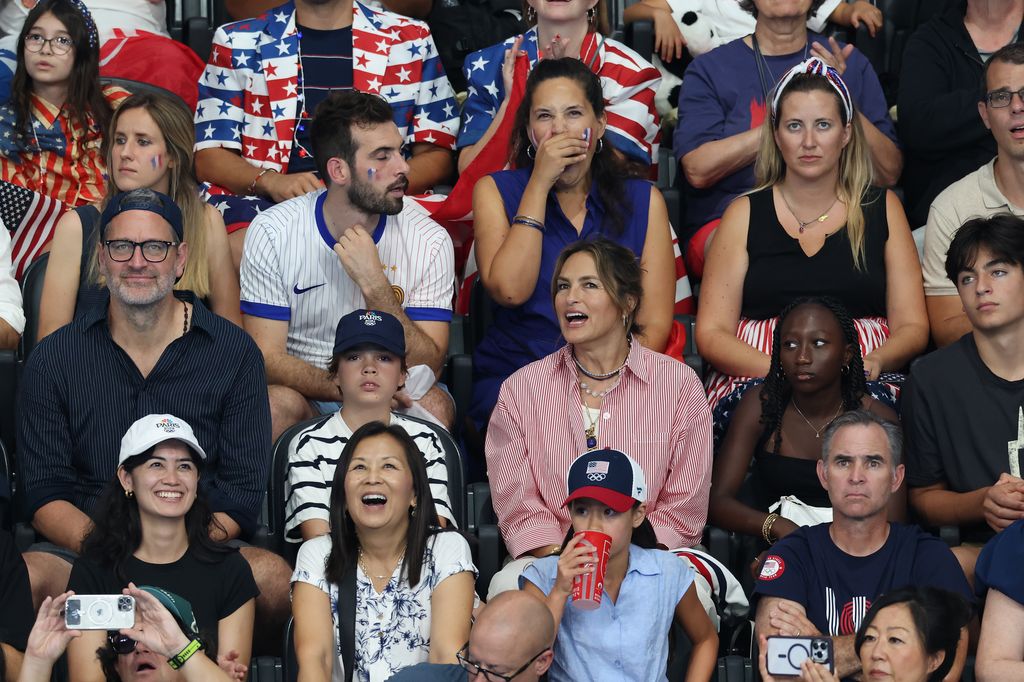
pixel 374 327
pixel 608 476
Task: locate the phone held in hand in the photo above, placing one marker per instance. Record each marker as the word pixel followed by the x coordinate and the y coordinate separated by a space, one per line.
pixel 99 612
pixel 785 655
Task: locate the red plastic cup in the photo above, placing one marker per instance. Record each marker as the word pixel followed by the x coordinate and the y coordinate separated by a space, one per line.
pixel 587 589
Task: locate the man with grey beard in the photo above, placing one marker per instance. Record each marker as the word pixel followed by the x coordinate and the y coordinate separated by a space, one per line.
pixel 148 349
pixel 357 244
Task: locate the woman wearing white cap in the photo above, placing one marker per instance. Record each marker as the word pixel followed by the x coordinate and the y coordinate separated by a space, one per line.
pixel 152 527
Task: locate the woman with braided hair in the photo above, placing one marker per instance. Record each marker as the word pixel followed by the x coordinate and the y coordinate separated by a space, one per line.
pixel 816 374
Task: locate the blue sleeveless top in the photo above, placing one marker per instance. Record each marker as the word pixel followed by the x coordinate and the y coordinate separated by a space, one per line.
pixel 519 336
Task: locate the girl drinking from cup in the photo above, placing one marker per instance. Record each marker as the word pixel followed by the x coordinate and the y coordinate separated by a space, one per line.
pixel 612 594
pixel 53 125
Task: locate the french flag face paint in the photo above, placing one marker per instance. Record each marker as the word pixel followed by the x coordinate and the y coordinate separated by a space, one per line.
pixel 586 136
pixel 371 173
pixel 156 161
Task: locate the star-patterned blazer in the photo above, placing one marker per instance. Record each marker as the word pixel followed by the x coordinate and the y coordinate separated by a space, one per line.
pixel 249 93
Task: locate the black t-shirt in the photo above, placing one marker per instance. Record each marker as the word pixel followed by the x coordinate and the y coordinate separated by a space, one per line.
pixel 837 589
pixel 963 423
pixel 780 271
pixel 326 61
pixel 16 613
pixel 215 590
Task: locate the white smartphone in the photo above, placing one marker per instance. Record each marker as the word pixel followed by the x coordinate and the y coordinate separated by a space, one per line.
pixel 99 612
pixel 786 654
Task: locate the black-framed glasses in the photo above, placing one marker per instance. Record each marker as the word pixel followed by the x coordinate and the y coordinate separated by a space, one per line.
pixel 58 45
pixel 490 675
pixel 121 644
pixel 153 250
pixel 997 99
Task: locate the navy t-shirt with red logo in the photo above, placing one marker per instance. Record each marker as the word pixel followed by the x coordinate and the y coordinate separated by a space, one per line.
pixel 837 589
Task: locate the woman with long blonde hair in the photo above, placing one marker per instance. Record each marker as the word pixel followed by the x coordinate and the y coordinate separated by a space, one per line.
pixel 815 225
pixel 149 145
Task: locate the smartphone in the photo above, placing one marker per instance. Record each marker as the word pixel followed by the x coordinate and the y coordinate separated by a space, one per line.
pixel 99 612
pixel 786 654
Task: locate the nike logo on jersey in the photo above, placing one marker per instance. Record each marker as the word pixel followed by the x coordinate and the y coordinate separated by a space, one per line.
pixel 297 290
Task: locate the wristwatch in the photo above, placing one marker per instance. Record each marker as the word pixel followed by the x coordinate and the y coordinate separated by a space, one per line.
pixel 182 656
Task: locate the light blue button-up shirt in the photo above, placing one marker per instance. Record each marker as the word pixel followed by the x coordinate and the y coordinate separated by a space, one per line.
pixel 627 640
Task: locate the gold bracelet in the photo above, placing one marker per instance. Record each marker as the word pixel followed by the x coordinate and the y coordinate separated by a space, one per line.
pixel 766 527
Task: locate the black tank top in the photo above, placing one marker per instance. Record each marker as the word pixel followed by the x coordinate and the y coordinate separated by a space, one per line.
pixel 779 271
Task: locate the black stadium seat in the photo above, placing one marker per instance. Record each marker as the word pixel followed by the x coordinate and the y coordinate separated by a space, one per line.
pixel 32 295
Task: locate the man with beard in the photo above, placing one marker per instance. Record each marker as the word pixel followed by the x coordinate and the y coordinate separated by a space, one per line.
pixel 312 259
pixel 149 350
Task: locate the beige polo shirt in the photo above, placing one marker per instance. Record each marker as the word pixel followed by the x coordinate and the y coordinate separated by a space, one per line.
pixel 974 196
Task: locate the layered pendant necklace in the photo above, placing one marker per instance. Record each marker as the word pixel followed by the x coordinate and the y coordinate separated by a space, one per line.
pixel 591 427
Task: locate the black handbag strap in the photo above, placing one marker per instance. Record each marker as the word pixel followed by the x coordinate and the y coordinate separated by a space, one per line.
pixel 347 621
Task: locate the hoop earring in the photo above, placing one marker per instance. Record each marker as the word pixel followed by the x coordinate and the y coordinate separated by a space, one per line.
pixel 625 321
pixel 412 511
pixel 129 494
pixel 600 145
pixel 531 15
pixel 531 152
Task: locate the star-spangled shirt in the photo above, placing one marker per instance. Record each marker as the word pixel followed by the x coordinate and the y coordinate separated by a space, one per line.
pixel 249 91
pixel 62 158
pixel 628 81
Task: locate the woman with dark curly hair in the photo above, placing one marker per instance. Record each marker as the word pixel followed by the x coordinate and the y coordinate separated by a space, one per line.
pixel 568 185
pixel 152 527
pixel 816 374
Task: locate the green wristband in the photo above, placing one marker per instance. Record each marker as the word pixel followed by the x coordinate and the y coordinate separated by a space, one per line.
pixel 179 660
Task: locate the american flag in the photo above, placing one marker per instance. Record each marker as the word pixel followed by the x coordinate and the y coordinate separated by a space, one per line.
pixel 30 217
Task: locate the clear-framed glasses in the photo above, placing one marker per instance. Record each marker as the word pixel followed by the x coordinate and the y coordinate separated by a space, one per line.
pixel 58 45
pixel 997 99
pixel 489 675
pixel 122 250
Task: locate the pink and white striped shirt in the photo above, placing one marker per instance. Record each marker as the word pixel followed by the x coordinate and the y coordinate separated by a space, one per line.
pixel 658 415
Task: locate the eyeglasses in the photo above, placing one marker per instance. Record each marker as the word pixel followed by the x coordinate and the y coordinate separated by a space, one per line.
pixel 59 45
pixel 997 99
pixel 121 644
pixel 489 675
pixel 122 250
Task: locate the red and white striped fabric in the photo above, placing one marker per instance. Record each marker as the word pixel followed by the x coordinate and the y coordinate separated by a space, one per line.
pixel 30 217
pixel 872 332
pixel 658 415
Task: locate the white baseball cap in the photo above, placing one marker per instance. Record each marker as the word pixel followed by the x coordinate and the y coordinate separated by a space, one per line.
pixel 154 429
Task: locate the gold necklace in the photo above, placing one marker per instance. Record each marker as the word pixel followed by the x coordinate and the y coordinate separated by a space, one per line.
pixel 362 565
pixel 817 432
pixel 804 223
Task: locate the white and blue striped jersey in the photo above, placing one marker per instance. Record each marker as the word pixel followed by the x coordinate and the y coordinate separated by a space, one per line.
pixel 291 272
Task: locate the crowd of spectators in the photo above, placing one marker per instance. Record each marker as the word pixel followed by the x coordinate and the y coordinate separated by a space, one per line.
pixel 267 255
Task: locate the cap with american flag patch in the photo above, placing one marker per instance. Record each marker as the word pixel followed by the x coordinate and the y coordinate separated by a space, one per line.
pixel 608 476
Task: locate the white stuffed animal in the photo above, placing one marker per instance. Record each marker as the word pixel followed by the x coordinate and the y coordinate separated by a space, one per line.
pixel 700 38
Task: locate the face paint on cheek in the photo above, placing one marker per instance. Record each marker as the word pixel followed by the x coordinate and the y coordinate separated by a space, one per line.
pixel 586 136
pixel 371 173
pixel 155 161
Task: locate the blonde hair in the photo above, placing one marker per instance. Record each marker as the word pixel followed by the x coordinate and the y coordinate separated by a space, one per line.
pixel 176 125
pixel 855 170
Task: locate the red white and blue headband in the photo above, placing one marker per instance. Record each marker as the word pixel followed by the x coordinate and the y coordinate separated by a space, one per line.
pixel 90 23
pixel 815 67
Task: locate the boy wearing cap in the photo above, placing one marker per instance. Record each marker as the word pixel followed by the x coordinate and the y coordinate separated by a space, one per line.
pixel 367 369
pixel 644 589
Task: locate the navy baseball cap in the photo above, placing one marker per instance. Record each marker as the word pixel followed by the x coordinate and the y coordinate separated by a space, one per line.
pixel 370 326
pixel 608 476
pixel 144 200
